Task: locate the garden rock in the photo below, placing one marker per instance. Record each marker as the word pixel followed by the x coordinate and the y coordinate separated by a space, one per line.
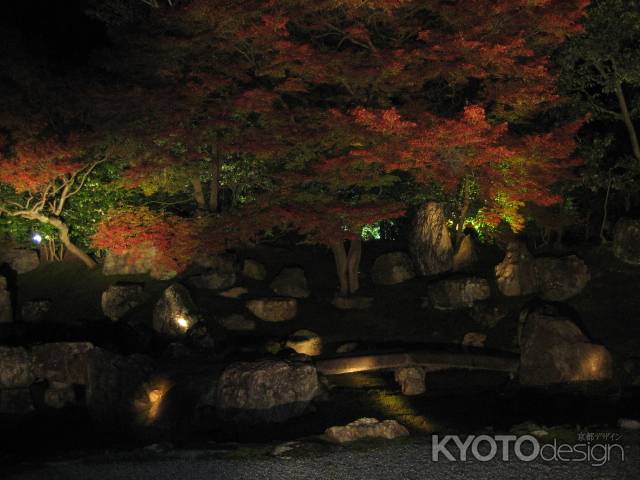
pixel 254 270
pixel 291 282
pixel 6 308
pixel 305 342
pixel 175 313
pixel 118 300
pixel 554 351
pixel 273 309
pixel 559 279
pixel 516 274
pixel 366 428
pixel 20 260
pixel 15 367
pixel 392 268
pixel 63 362
pixel 266 391
pixel 626 240
pixel 466 255
pixel 458 293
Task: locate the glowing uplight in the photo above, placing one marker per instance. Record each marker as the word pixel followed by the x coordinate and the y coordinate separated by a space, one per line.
pixel 150 401
pixel 182 322
pixel 37 238
pixel 155 399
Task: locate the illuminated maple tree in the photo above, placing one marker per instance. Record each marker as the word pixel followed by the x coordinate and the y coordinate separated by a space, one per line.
pixel 43 174
pixel 334 98
pixel 337 104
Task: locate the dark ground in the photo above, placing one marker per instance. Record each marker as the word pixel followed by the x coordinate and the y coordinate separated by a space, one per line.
pixel 401 460
pixel 456 402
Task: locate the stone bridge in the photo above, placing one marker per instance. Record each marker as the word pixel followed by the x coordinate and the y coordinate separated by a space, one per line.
pixel 429 360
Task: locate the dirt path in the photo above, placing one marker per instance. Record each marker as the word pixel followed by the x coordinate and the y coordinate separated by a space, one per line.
pixel 394 460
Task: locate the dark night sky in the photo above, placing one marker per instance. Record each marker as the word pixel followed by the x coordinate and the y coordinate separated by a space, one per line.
pixel 54 33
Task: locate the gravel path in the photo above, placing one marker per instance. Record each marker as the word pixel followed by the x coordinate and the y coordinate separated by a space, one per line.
pixel 394 461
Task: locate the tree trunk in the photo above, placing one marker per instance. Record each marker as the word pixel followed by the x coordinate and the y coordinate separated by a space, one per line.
pixel 430 242
pixel 198 193
pixel 464 210
pixel 605 214
pixel 63 233
pixel 340 257
pixel 353 264
pixel 626 117
pixel 348 265
pixel 463 215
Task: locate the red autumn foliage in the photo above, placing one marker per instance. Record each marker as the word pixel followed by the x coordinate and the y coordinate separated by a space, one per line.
pixel 138 231
pixel 334 97
pixel 37 163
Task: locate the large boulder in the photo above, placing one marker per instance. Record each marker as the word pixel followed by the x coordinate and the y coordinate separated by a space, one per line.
pixel 6 308
pixel 273 309
pixel 366 428
pixel 392 268
pixel 144 262
pixel 20 260
pixel 220 272
pixel 266 391
pixel 15 367
pixel 430 242
pixel 118 300
pixel 63 362
pixel 116 385
pixel 175 313
pixel 454 293
pixel 305 342
pixel 555 351
pixel 626 240
pixel 291 282
pixel 561 278
pixel 516 274
pixel 466 254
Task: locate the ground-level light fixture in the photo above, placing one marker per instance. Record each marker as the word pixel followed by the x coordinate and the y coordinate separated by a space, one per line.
pixel 182 322
pixel 36 238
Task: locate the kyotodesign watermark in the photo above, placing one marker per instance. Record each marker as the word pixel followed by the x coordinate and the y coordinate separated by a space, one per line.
pixel 525 448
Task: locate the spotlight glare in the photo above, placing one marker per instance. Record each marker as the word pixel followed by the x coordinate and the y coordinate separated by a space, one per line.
pixel 182 322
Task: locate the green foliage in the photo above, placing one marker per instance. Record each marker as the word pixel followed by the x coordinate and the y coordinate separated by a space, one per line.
pixel 371 232
pixel 100 193
pixel 243 176
pixel 600 70
pixel 605 56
